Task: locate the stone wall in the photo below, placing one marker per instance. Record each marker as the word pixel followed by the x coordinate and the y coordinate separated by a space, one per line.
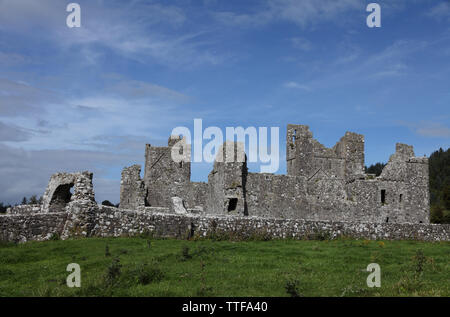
pixel 23 209
pixel 165 178
pixel 36 227
pixel 102 221
pixel 114 222
pixel 306 156
pixel 321 183
pixel 58 194
pixel 132 188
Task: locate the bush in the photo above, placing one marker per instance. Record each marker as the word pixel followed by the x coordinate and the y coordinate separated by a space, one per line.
pixel 107 253
pixel 55 237
pixel 437 214
pixel 419 261
pixel 113 272
pixel 185 253
pixel 291 288
pixel 148 274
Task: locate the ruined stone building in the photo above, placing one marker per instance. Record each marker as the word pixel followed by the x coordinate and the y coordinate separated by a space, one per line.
pixel 321 183
pixel 325 192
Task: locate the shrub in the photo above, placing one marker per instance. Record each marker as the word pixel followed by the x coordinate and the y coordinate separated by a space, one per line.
pixel 437 214
pixel 55 237
pixel 148 274
pixel 113 271
pixel 291 288
pixel 419 261
pixel 185 253
pixel 107 253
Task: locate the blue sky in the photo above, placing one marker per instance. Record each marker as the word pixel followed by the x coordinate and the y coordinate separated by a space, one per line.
pixel 89 98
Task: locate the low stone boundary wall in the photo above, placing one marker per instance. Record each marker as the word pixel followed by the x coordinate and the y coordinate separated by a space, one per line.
pixel 114 222
pixel 23 209
pixel 38 227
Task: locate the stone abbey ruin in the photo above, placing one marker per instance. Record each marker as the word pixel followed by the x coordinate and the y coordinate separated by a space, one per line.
pixel 321 183
pixel 325 191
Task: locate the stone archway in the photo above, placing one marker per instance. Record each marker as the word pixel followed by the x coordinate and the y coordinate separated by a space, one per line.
pixel 58 193
pixel 60 198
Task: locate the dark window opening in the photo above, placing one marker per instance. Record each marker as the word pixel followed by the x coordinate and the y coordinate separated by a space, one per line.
pixel 181 164
pixel 232 204
pixel 383 196
pixel 401 197
pixel 387 219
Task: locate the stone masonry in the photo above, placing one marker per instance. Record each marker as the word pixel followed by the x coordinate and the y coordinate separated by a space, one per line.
pixel 324 193
pixel 321 183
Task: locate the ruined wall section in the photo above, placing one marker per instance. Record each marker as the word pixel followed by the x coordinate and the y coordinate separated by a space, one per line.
pixel 82 208
pixel 24 209
pixel 57 195
pixel 165 178
pixel 31 227
pixel 279 196
pixel 350 148
pixel 113 222
pixel 132 188
pixel 400 194
pixel 405 182
pixel 227 181
pixel 306 156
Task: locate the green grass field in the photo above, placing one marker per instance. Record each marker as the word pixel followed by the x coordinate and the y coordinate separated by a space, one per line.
pixel 152 267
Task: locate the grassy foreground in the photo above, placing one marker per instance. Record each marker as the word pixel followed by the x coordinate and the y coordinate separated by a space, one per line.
pixel 151 267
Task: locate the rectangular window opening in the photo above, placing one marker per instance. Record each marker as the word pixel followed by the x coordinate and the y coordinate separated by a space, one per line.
pixel 232 204
pixel 383 196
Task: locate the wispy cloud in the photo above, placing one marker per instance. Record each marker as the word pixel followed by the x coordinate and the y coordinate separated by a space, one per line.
pixel 428 129
pixel 440 11
pixel 295 85
pixel 303 13
pixel 141 31
pixel 301 43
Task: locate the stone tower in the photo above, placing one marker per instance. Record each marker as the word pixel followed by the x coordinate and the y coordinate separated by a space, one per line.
pixel 165 177
pixel 305 156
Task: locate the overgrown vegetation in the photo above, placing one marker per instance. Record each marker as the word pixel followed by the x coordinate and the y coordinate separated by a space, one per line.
pixel 375 169
pixel 224 268
pixel 440 186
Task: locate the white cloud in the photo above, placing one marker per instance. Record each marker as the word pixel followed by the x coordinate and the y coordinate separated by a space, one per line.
pixel 293 84
pixel 137 30
pixel 436 130
pixel 301 44
pixel 440 11
pixel 302 13
pixel 428 129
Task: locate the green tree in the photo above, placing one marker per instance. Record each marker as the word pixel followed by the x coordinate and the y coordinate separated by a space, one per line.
pixel 107 203
pixel 33 200
pixel 24 201
pixel 437 214
pixel 446 197
pixel 375 169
